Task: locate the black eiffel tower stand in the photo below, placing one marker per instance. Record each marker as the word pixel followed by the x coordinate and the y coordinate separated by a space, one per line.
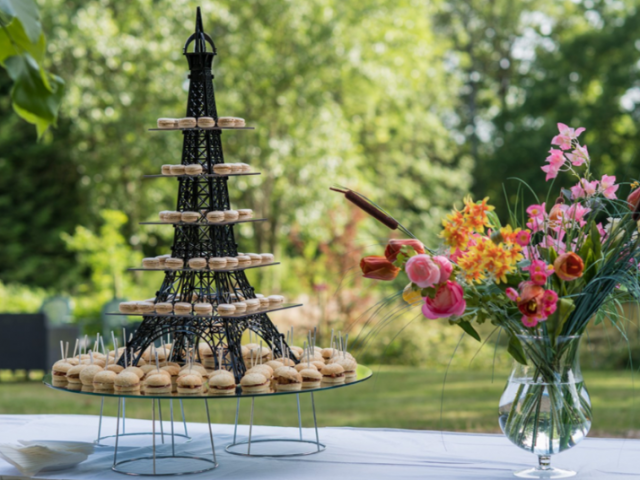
pixel 204 193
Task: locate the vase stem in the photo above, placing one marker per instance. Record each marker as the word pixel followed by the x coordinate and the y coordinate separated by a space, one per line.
pixel 544 462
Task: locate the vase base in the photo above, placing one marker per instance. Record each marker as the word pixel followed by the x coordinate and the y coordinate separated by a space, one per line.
pixel 544 473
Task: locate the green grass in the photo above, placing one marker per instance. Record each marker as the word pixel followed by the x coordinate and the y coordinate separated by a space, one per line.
pixel 396 397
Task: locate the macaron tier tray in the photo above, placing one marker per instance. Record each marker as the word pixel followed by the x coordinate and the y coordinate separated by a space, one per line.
pixel 362 373
pixel 200 128
pixel 235 269
pixel 207 175
pixel 284 306
pixel 209 224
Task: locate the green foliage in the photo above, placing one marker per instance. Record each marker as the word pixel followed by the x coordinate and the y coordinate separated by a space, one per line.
pixel 16 298
pixel 36 93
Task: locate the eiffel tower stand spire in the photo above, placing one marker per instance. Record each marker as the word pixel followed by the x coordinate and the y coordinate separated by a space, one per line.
pixel 204 193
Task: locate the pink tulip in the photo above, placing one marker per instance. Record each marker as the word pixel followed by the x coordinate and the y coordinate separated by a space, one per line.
pixel 449 300
pixel 445 268
pixel 422 271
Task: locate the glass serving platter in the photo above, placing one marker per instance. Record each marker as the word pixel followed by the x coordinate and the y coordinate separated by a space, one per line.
pixel 362 373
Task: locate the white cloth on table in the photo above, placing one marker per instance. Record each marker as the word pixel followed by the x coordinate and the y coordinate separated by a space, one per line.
pixel 352 453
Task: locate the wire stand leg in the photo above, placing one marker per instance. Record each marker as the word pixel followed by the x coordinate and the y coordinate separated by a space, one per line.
pixel 253 399
pixel 235 428
pixel 299 415
pixel 213 447
pixel 173 443
pixel 115 450
pixel 124 415
pixel 184 420
pixel 161 427
pixel 315 422
pixel 100 421
pixel 153 431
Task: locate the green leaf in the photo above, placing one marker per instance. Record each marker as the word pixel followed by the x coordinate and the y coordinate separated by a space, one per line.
pixel 494 221
pixel 35 97
pixel 596 241
pixel 27 12
pixel 516 351
pixel 468 328
pixel 555 322
pixel 14 41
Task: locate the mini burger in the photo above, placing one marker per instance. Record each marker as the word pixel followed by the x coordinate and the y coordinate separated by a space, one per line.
pixel 327 353
pixel 333 374
pixel 190 385
pixel 254 383
pixel 158 384
pixel 288 379
pixel 274 364
pixel 115 368
pixel 311 378
pixel 265 370
pixel 349 367
pixel 304 366
pixel 126 382
pixel 73 374
pixel 59 373
pixel 174 372
pixel 222 384
pixel 199 369
pixel 103 381
pixel 287 362
pixel 136 370
pixel 318 364
pixel 87 374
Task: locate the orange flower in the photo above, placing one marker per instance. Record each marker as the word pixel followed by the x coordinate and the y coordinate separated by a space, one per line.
pixel 568 266
pixel 394 246
pixel 530 302
pixel 378 268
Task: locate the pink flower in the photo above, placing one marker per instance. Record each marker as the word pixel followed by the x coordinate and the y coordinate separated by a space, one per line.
pixel 539 270
pixel 579 155
pixel 577 212
pixel 566 136
pixel 535 224
pixel 601 231
pixel 445 267
pixel 590 188
pixel 577 191
pixel 512 294
pixel 449 300
pixel 549 302
pixel 556 243
pixel 523 237
pixel 557 215
pixel 536 211
pixel 422 271
pixel 556 161
pixel 530 321
pixel 608 186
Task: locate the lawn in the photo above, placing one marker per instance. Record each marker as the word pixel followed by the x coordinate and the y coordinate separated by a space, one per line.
pixel 399 397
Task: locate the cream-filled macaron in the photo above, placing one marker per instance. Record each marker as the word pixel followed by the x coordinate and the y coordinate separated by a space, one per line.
pixel 235 167
pixel 187 122
pixel 256 259
pixel 221 169
pixel 151 262
pixel 190 217
pixel 252 304
pixel 174 263
pixel 167 123
pixel 245 213
pixel 193 169
pixel 182 308
pixel 238 122
pixel 244 260
pixel 226 309
pixel 145 307
pixel 232 262
pixel 203 308
pixel 225 121
pixel 197 263
pixel 264 302
pixel 166 169
pixel 267 257
pixel 177 169
pixel 164 308
pixel 127 307
pixel 230 215
pixel 215 216
pixel 276 299
pixel 241 307
pixel 217 263
pixel 173 217
pixel 245 168
pixel 206 122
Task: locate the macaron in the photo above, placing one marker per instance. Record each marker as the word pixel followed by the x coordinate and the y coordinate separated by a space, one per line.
pixel 193 169
pixel 238 122
pixel 230 215
pixel 187 122
pixel 225 121
pixel 151 262
pixel 145 307
pixel 232 262
pixel 182 308
pixel 166 169
pixel 174 263
pixel 164 308
pixel 190 217
pixel 264 302
pixel 197 263
pixel 276 299
pixel 267 257
pixel 215 216
pixel 217 263
pixel 244 260
pixel 252 304
pixel 203 308
pixel 167 123
pixel 206 122
pixel 241 307
pixel 256 259
pixel 245 213
pixel 174 217
pixel 177 169
pixel 226 309
pixel 127 307
pixel 244 168
pixel 235 167
pixel 221 169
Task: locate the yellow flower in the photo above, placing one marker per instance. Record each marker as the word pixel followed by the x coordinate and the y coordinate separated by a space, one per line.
pixel 410 295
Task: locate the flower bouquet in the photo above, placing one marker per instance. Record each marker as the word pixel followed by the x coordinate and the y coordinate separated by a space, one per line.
pixel 541 278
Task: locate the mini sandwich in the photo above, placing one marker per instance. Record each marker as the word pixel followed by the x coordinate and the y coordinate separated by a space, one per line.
pixel 319 364
pixel 59 373
pixel 254 383
pixel 73 374
pixel 274 364
pixel 87 374
pixel 126 382
pixel 190 385
pixel 311 378
pixel 104 381
pixel 158 384
pixel 265 370
pixel 199 369
pixel 193 169
pixel 136 371
pixel 287 362
pixel 115 368
pixel 174 372
pixel 297 351
pixel 222 384
pixel 349 367
pixel 327 353
pixel 288 379
pixel 333 374
pixel 148 369
pixel 304 366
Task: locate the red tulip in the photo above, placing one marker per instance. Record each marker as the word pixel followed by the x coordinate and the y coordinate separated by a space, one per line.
pixel 568 266
pixel 378 268
pixel 394 246
pixel 633 199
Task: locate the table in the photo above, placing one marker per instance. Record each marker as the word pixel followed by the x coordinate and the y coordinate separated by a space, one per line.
pixel 352 453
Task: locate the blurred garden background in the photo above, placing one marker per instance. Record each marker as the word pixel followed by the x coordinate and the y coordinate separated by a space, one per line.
pixel 414 103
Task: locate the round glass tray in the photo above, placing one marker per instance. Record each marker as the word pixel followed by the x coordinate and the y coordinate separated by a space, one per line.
pixel 362 373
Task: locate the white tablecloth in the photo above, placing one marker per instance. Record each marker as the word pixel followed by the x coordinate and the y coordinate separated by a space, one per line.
pixel 352 453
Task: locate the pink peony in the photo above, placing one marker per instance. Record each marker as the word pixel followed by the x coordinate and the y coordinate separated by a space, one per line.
pixel 449 300
pixel 567 134
pixel 445 267
pixel 422 271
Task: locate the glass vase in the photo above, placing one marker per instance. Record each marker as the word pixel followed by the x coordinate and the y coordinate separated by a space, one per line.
pixel 545 408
